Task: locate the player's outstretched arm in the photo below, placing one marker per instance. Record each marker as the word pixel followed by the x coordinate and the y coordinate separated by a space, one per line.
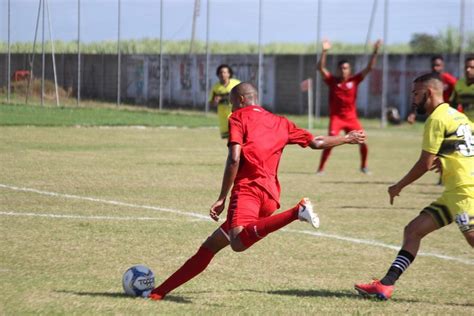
pixel 326 45
pixel 424 164
pixel 323 142
pixel 373 58
pixel 231 168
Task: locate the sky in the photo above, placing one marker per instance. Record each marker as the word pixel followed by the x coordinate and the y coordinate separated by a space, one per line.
pixel 232 20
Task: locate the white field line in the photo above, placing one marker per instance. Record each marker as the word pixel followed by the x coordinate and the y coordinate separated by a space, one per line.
pixel 72 216
pixel 379 244
pixel 91 199
pixel 202 217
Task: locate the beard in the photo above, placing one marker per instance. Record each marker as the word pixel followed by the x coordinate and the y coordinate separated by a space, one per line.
pixel 420 107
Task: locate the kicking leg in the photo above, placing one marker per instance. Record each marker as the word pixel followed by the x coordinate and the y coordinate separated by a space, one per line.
pixel 194 266
pixel 418 228
pixel 243 237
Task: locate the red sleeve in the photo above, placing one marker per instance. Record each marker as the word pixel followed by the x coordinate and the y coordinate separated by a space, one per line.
pixel 449 79
pixel 298 135
pixel 328 79
pixel 236 131
pixel 357 78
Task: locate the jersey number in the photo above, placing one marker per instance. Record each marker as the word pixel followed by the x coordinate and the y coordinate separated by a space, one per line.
pixel 464 131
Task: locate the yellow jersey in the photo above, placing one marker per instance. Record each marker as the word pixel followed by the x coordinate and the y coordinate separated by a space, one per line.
pixel 223 91
pixel 448 134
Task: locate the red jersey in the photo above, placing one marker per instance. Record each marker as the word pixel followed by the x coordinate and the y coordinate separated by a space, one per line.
pixel 343 95
pixel 449 81
pixel 263 136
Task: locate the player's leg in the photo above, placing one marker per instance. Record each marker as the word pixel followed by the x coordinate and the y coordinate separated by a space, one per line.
pixel 244 236
pixel 194 265
pixel 333 130
pixel 418 228
pixel 470 238
pixel 354 125
pixel 223 112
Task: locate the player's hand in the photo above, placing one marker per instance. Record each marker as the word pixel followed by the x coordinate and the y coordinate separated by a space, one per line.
pixel 411 118
pixel 216 209
pixel 377 45
pixel 356 137
pixel 393 191
pixel 216 100
pixel 326 45
pixel 436 165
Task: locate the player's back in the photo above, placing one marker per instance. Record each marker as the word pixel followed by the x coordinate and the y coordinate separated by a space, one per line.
pixel 448 133
pixel 262 136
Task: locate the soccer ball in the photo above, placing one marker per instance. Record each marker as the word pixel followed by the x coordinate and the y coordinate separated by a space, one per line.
pixel 138 281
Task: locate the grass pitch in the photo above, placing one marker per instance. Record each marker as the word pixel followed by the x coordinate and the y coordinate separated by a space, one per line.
pixel 64 247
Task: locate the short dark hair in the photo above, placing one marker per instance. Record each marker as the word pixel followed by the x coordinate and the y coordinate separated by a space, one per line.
pixel 224 66
pixel 342 62
pixel 468 59
pixel 436 57
pixel 427 77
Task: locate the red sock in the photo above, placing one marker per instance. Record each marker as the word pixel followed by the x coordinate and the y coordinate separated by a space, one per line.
pixel 257 230
pixel 195 265
pixel 324 158
pixel 364 151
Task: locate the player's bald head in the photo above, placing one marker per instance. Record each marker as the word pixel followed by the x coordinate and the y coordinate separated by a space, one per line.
pixel 244 94
pixel 430 80
pixel 244 89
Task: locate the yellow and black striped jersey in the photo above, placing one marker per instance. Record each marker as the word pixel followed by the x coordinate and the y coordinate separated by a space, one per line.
pixel 223 91
pixel 448 134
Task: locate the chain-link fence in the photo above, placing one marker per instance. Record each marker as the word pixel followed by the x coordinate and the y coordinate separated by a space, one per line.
pixel 111 50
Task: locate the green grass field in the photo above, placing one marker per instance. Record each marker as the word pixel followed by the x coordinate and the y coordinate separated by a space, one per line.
pixel 80 203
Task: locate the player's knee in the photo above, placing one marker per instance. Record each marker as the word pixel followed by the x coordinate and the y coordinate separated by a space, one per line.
pixel 470 238
pixel 412 233
pixel 215 243
pixel 237 246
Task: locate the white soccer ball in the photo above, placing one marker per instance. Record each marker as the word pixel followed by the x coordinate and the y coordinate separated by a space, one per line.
pixel 138 281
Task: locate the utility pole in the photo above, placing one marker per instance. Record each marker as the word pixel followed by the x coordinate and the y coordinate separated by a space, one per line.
pixel 197 8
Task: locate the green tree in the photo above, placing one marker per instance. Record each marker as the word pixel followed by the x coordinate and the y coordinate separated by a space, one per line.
pixel 424 43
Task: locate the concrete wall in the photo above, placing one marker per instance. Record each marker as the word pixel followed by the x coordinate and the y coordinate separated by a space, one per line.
pixel 184 78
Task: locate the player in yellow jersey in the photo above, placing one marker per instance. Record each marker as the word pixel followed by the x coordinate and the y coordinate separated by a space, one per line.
pixel 447 137
pixel 219 97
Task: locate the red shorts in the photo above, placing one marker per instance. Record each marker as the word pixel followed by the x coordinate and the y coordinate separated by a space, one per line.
pixel 248 203
pixel 336 124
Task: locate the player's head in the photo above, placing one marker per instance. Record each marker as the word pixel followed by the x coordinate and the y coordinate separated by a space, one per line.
pixel 224 72
pixel 469 68
pixel 427 92
pixel 242 95
pixel 344 69
pixel 437 64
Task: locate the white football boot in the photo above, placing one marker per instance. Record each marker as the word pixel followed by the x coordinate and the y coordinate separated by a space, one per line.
pixel 306 213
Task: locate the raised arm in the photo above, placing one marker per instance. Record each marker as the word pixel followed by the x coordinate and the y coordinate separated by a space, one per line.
pixel 322 61
pixel 373 59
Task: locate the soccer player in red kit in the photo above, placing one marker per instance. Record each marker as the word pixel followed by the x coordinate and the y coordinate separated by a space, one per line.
pixel 342 100
pixel 256 141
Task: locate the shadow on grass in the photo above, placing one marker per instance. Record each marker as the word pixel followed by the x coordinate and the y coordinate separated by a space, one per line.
pixel 169 298
pixel 348 294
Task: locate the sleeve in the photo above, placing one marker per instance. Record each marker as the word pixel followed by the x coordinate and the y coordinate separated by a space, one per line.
pixel 298 135
pixel 236 130
pixel 433 136
pixel 328 79
pixel 451 80
pixel 357 78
